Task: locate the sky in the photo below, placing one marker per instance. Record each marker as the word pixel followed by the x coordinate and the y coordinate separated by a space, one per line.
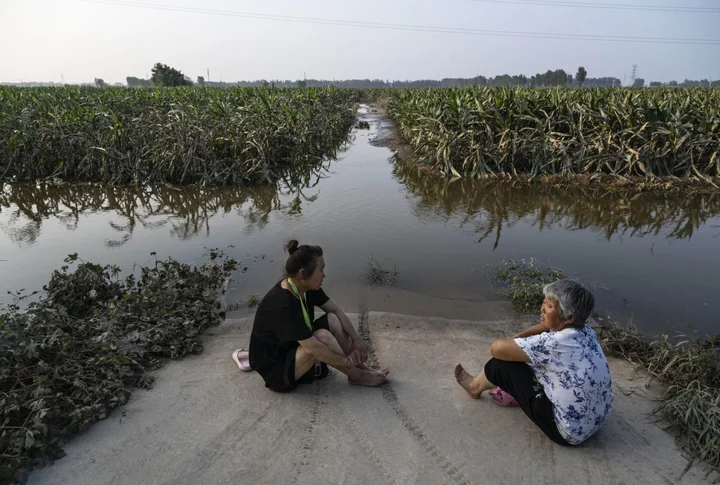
pixel 78 41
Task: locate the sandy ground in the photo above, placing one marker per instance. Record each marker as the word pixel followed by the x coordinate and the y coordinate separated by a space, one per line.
pixel 205 422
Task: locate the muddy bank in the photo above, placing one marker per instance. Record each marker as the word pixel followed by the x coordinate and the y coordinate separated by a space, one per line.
pixel 206 422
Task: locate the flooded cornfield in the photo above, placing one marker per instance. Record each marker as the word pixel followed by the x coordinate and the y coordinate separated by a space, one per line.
pixel 652 258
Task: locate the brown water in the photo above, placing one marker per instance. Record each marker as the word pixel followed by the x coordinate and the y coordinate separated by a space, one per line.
pixel 657 258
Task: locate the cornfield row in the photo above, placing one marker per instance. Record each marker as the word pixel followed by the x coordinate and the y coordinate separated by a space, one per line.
pixel 626 133
pixel 211 136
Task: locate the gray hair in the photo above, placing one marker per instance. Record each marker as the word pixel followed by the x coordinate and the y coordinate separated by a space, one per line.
pixel 575 299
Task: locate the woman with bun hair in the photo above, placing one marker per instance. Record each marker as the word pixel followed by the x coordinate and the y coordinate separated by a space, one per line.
pixel 288 346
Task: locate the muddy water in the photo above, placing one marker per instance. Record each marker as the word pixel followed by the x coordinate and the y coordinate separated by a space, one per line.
pixel 653 259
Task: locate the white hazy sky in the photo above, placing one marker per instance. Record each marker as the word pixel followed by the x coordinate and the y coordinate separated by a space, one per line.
pixel 40 40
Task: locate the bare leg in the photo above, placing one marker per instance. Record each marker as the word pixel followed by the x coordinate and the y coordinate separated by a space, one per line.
pixel 474 386
pixel 304 362
pixel 345 342
pixel 343 339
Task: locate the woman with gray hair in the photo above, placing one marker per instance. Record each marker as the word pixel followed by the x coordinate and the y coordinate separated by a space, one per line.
pixel 555 371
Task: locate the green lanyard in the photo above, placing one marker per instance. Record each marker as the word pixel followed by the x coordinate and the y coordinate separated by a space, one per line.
pixel 302 303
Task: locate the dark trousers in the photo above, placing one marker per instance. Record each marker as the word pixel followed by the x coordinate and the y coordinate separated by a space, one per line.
pixel 518 380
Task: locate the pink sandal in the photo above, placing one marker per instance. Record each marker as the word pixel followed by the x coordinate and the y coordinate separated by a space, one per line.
pixel 242 359
pixel 502 398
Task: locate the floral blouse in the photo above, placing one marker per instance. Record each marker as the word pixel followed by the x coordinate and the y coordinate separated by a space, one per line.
pixel 575 375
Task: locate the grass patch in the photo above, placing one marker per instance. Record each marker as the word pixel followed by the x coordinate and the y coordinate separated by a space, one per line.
pixel 691 371
pixel 75 353
pixel 253 300
pixel 377 275
pixel 523 280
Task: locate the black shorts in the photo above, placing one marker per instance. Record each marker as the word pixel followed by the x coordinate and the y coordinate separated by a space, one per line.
pixel 517 378
pixel 281 377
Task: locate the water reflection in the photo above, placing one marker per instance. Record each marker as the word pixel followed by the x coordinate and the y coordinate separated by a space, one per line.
pixel 186 211
pixel 489 206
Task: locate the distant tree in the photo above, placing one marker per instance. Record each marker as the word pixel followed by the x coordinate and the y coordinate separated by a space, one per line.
pixel 639 83
pixel 551 78
pixel 201 81
pixel 655 84
pixel 134 82
pixel 581 76
pixel 673 84
pixel 602 82
pixel 164 75
pixel 689 83
pixel 301 84
pixel 100 83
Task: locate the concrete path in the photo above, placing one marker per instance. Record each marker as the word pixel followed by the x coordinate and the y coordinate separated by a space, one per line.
pixel 205 422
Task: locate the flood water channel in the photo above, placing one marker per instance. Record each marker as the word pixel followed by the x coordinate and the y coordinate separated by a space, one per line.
pixel 652 258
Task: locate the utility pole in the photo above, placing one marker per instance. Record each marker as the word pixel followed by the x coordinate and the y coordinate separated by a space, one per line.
pixel 634 73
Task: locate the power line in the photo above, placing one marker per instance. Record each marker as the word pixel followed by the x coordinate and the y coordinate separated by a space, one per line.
pixel 614 6
pixel 412 28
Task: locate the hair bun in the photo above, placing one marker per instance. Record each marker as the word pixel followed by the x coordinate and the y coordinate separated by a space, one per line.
pixel 291 246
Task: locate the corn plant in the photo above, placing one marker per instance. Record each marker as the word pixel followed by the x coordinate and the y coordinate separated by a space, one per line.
pixel 212 136
pixel 500 132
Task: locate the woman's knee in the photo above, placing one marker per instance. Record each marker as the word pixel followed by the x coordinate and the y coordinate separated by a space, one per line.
pixel 324 336
pixel 496 369
pixel 333 323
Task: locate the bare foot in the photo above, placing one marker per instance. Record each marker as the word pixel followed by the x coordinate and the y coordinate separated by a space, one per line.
pixel 370 369
pixel 369 378
pixel 466 381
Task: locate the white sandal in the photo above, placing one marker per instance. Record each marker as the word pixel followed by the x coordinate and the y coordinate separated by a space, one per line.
pixel 242 358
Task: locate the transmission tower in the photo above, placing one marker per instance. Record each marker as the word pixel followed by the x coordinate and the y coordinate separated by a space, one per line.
pixel 634 73
pixel 208 73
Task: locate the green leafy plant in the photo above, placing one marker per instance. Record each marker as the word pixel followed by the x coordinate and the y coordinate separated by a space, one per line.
pixel 377 275
pixel 523 282
pixel 253 300
pixel 690 370
pixel 73 355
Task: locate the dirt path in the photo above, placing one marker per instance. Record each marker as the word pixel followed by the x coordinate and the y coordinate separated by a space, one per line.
pixel 206 422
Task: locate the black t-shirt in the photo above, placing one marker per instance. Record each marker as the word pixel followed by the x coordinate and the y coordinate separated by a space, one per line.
pixel 279 325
